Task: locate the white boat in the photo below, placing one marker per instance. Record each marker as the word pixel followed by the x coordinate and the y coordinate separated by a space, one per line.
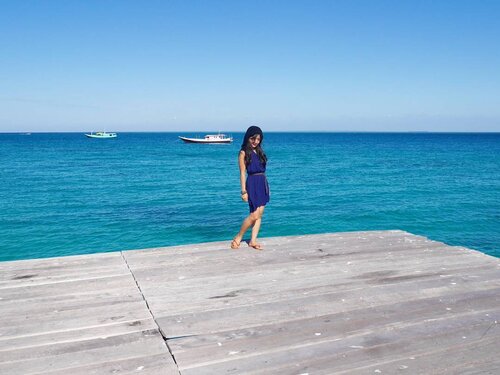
pixel 209 138
pixel 101 135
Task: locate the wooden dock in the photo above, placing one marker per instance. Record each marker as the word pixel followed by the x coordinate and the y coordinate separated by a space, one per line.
pixel 378 302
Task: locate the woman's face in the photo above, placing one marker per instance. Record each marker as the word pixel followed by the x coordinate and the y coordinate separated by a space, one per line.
pixel 254 141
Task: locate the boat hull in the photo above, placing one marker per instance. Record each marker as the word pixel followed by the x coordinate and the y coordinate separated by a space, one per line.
pixel 100 136
pixel 197 140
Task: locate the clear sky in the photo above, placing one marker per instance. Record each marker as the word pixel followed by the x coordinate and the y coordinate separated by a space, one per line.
pixel 224 65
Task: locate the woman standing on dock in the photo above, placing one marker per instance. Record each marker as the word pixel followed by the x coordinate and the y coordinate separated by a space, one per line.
pixel 254 188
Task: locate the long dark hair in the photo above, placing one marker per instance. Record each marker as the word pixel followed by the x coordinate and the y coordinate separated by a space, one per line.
pixel 245 146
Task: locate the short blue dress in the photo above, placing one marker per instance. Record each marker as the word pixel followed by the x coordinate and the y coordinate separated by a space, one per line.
pixel 256 185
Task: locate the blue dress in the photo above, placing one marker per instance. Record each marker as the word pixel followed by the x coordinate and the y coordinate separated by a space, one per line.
pixel 256 185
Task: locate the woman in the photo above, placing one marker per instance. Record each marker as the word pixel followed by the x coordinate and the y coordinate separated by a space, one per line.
pixel 254 189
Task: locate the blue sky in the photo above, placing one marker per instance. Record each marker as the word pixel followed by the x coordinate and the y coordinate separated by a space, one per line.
pixel 223 65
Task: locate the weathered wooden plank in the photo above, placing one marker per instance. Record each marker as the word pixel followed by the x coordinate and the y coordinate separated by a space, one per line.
pixel 148 365
pixel 345 321
pixel 332 327
pixel 68 287
pixel 57 321
pixel 55 326
pixel 14 311
pixel 281 311
pixel 29 279
pixel 161 364
pixel 49 266
pixel 288 249
pixel 352 292
pixel 444 361
pixel 85 352
pixel 443 352
pixel 70 301
pixel 236 264
pixel 310 272
pixel 354 351
pixel 268 285
pixel 76 334
pixel 192 266
pixel 471 367
pixel 81 346
pixel 283 241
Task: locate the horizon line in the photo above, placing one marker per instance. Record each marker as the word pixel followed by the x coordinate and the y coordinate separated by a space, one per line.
pixel 269 131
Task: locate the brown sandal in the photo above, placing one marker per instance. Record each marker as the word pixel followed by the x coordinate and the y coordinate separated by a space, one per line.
pixel 256 246
pixel 235 244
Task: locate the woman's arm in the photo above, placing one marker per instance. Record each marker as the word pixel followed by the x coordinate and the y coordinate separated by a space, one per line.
pixel 243 177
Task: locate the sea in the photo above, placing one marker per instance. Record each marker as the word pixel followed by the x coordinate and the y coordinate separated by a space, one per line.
pixel 64 194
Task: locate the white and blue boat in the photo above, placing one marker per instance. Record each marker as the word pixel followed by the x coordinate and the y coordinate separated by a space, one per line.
pixel 101 135
pixel 209 138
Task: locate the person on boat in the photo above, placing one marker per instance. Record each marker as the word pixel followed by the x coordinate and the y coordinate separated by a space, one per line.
pixel 254 187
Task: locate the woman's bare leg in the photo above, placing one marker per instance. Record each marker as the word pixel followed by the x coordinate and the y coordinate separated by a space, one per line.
pixel 255 230
pixel 247 223
pixel 256 227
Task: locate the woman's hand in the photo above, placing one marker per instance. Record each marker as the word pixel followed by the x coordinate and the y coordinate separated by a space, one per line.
pixel 244 196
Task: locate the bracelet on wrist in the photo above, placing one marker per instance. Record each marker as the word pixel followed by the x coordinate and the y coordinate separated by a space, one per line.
pixel 243 192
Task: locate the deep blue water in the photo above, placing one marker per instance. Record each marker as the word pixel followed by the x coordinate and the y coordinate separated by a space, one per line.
pixel 65 194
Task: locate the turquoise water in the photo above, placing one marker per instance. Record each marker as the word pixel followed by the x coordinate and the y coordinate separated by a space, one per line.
pixel 65 194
